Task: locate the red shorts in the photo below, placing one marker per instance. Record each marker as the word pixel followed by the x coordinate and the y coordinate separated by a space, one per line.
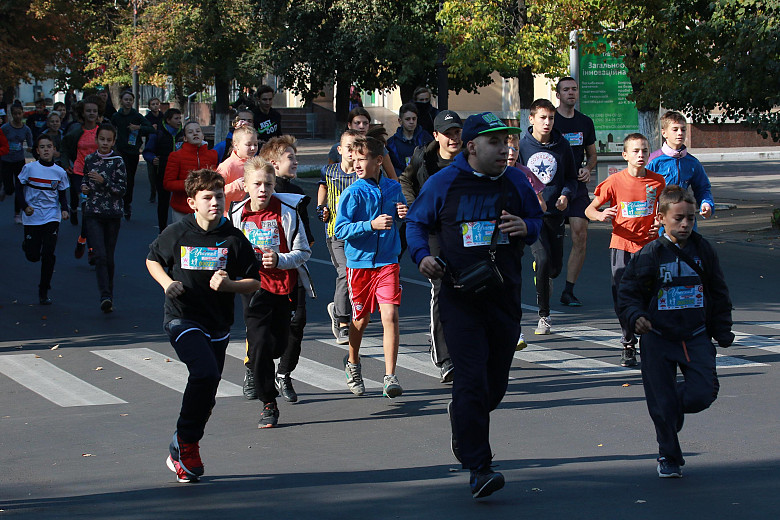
pixel 368 287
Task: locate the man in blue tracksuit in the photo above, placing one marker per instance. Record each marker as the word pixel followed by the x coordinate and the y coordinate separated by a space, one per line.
pixel 462 203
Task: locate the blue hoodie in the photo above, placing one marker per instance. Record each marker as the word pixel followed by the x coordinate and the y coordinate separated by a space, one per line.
pixel 401 148
pixel 684 171
pixel 359 204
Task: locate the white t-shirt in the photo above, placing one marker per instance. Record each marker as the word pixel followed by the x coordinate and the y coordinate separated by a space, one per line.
pixel 41 185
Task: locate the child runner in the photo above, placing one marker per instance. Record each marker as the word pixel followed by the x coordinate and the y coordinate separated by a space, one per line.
pixel 79 142
pixel 42 195
pixel 334 179
pixel 632 195
pixel 280 152
pixel 243 117
pixel 37 120
pixel 158 147
pixel 679 167
pixel 369 213
pixel 209 261
pixel 232 168
pixel 155 117
pixel 194 154
pixel 17 134
pixel 673 293
pixel 408 137
pixel 273 225
pixel 104 184
pixel 359 119
pixel 131 127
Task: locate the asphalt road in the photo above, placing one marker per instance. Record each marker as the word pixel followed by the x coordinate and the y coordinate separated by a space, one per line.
pixel 84 427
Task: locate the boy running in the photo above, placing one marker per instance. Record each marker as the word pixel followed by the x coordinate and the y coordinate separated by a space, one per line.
pixel 367 221
pixel 673 293
pixel 632 195
pixel 208 260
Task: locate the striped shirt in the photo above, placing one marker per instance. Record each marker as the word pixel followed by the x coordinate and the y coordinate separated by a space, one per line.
pixel 41 185
pixel 335 180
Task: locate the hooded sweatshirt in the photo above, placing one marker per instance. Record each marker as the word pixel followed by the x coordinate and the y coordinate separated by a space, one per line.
pixel 553 164
pixel 180 163
pixel 401 148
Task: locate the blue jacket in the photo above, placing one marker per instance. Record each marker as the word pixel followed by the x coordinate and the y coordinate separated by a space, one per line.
pixel 401 148
pixel 685 171
pixel 457 200
pixel 359 204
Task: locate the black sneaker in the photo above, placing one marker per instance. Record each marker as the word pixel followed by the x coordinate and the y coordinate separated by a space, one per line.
pixel 570 300
pixel 668 469
pixel 454 441
pixel 343 335
pixel 446 369
pixel 44 299
pixel 628 358
pixel 250 390
pixel 106 305
pixel 269 416
pixel 80 248
pixel 484 482
pixel 283 384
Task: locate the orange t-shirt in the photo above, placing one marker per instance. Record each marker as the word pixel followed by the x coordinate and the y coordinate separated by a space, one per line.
pixel 637 201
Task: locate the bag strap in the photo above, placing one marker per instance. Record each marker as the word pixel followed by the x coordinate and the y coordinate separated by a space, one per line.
pixel 682 255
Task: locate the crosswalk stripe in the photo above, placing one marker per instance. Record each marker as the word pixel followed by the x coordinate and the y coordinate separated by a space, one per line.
pixel 753 341
pixel 408 357
pixel 53 383
pixel 612 339
pixel 567 362
pixel 769 324
pixel 160 368
pixel 312 372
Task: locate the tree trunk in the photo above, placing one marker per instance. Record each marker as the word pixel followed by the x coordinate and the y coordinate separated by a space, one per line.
pixel 525 90
pixel 343 83
pixel 222 109
pixel 649 126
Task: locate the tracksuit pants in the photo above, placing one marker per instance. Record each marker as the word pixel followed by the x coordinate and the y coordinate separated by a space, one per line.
pixel 548 257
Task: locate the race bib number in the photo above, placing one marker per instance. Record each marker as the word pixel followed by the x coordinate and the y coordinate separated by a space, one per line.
pixel 266 236
pixel 204 258
pixel 636 209
pixel 575 138
pixel 15 147
pixel 40 124
pixel 681 297
pixel 480 233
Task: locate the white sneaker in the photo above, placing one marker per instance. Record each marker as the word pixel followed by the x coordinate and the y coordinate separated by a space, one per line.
pixel 543 327
pixel 521 344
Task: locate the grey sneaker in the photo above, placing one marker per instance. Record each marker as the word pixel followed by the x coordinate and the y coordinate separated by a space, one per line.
pixel 668 469
pixel 334 322
pixel 392 387
pixel 628 358
pixel 543 327
pixel 446 369
pixel 283 384
pixel 342 338
pixel 354 377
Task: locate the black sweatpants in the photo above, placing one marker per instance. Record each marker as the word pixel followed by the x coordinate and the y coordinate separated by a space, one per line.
pixel 439 351
pixel 292 353
pixel 102 234
pixel 267 319
pixel 204 354
pixel 548 256
pixel 39 244
pixel 481 336
pixel 667 399
pixel 618 260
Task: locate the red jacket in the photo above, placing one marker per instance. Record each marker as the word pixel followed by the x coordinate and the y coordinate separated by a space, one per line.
pixel 180 163
pixel 4 147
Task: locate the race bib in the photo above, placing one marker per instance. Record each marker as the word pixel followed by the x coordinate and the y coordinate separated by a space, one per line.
pixel 681 297
pixel 480 233
pixel 636 209
pixel 266 236
pixel 15 147
pixel 40 124
pixel 575 138
pixel 204 258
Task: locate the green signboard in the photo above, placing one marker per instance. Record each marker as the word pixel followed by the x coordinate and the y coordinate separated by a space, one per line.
pixel 604 86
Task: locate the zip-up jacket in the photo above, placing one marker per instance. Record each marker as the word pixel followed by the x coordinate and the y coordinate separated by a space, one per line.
pixel 553 164
pixel 121 120
pixel 663 288
pixel 105 199
pixel 684 171
pixel 180 163
pixel 401 148
pixel 297 241
pixel 161 144
pixel 359 204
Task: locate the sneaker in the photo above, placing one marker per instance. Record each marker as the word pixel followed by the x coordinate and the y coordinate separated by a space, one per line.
pixel 106 305
pixel 628 358
pixel 570 300
pixel 18 218
pixel 543 327
pixel 392 388
pixel 283 384
pixel 250 390
pixel 485 482
pixel 454 446
pixel 91 256
pixel 269 416
pixel 354 377
pixel 184 460
pixel 343 336
pixel 668 469
pixel 521 344
pixel 80 248
pixel 446 368
pixel 334 322
pixel 44 299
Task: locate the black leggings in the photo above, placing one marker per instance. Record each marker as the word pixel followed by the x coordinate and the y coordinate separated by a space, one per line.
pixel 39 244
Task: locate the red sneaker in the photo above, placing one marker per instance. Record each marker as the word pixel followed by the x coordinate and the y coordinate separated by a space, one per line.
pixel 184 460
